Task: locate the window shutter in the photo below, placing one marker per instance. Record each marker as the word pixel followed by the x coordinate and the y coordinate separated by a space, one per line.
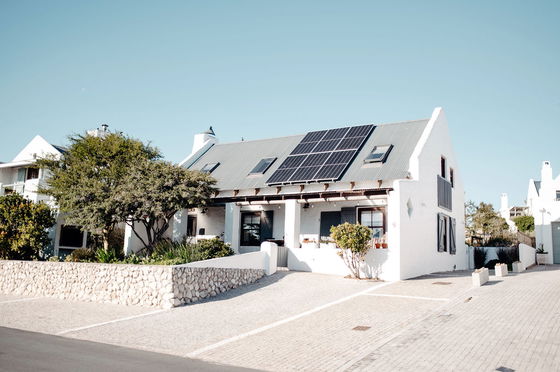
pixel 266 225
pixel 452 236
pixel 348 215
pixel 441 232
pixel 21 175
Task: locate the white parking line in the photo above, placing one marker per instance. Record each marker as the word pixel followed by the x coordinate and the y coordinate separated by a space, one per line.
pixel 109 322
pixel 404 296
pixel 20 300
pixel 281 322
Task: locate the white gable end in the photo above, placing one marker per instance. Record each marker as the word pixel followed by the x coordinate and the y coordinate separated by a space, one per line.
pixel 38 147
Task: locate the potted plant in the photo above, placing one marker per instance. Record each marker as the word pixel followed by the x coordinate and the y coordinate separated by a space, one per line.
pixel 541 256
pixel 309 243
pixel 377 243
pixel 327 243
pixel 384 244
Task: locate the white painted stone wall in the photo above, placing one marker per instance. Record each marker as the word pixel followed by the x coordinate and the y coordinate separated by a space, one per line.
pixel 526 255
pixel 144 285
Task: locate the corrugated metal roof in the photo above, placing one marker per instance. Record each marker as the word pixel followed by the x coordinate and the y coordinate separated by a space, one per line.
pixel 239 158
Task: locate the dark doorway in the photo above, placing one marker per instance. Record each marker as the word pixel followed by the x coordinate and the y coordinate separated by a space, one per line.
pixel 329 219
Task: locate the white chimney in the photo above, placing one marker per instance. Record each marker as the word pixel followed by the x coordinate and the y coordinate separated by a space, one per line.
pixel 202 139
pixel 546 172
pixel 504 205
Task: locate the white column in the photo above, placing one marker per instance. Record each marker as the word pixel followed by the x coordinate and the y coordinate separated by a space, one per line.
pixel 232 228
pixel 292 221
pixel 180 221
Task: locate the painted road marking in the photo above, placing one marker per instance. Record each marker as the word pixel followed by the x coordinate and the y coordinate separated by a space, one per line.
pixel 281 322
pixel 21 300
pixel 404 296
pixel 110 322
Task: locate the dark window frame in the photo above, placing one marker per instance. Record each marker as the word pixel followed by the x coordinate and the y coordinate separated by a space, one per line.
pixel 443 168
pixel 383 158
pixel 374 209
pixel 32 174
pixel 66 241
pixel 209 167
pixel 452 177
pixel 264 162
pixel 257 230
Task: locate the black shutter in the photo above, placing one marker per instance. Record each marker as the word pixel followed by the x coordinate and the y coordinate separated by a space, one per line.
pixel 441 232
pixel 452 236
pixel 348 215
pixel 266 225
pixel 329 219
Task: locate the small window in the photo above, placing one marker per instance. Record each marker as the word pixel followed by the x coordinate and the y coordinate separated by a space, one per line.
pixel 32 173
pixel 263 166
pixel 71 236
pixel 452 177
pixel 557 194
pixel 443 167
pixel 374 218
pixel 379 154
pixel 209 168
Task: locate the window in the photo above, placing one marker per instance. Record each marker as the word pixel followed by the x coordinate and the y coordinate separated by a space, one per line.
pixel 446 234
pixel 452 177
pixel 557 194
pixel 379 154
pixel 263 166
pixel 443 167
pixel 32 173
pixel 251 228
pixel 71 236
pixel 209 168
pixel 374 218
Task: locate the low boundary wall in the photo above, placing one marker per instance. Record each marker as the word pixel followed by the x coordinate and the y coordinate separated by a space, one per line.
pixel 144 285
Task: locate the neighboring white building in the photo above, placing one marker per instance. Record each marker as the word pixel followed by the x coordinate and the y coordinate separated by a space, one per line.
pixel 21 176
pixel 510 213
pixel 543 200
pixel 401 179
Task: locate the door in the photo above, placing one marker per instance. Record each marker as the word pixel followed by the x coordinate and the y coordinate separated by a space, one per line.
pixel 555 241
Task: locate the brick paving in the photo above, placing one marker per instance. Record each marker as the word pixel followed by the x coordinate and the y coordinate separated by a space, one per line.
pixel 433 323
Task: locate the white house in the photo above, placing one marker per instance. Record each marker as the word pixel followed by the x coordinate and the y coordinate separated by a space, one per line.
pixel 543 200
pixel 400 179
pixel 509 213
pixel 21 176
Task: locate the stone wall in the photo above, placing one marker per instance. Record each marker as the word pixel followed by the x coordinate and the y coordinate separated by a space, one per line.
pixel 144 285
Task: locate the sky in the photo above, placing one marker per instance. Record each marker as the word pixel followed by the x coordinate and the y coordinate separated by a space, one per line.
pixel 162 71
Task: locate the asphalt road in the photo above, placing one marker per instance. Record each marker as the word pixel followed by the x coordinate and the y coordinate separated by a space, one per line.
pixel 30 351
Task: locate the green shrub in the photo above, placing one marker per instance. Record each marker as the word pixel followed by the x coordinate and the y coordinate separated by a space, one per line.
pixel 213 248
pixel 525 223
pixel 491 264
pixel 81 255
pixel 508 256
pixel 106 256
pixel 502 241
pixel 354 243
pixel 53 259
pixel 479 257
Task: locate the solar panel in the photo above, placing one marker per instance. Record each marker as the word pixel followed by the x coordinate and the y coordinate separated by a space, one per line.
pixel 322 155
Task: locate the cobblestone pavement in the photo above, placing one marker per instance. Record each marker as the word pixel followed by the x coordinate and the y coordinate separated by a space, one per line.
pixel 301 321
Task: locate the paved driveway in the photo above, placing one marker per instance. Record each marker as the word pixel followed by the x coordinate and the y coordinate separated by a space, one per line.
pixel 302 321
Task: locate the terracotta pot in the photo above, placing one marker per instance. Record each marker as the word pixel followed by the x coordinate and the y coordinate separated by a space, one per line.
pixel 385 245
pixel 377 245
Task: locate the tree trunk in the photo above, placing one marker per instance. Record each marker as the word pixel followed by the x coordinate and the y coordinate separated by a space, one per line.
pixel 105 234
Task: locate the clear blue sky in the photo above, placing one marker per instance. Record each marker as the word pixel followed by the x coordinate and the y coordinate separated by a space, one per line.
pixel 162 71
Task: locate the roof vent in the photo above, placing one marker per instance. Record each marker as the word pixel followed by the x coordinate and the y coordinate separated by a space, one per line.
pixel 104 127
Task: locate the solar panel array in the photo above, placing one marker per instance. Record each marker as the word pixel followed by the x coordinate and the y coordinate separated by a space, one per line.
pixel 322 156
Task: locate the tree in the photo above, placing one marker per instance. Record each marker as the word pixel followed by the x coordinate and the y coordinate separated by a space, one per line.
pixel 84 179
pixel 23 227
pixel 354 243
pixel 483 222
pixel 153 191
pixel 525 224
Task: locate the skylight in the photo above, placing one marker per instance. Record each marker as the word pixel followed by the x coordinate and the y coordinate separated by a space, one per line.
pixel 209 168
pixel 379 154
pixel 262 166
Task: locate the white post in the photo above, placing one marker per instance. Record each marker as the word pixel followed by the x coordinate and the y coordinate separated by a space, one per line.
pixel 271 260
pixel 180 220
pixel 233 226
pixel 292 221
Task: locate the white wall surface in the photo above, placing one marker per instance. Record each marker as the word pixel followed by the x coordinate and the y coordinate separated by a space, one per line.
pixel 253 260
pixel 418 231
pixel 526 255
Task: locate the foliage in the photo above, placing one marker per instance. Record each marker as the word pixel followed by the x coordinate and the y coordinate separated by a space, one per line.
pixel 54 259
pixel 479 257
pixel 23 227
pixel 83 180
pixel 483 222
pixel 153 191
pixel 540 250
pixel 491 264
pixel 81 255
pixel 525 223
pixel 354 243
pixel 213 248
pixel 508 256
pixel 502 241
pixel 115 240
pixel 106 256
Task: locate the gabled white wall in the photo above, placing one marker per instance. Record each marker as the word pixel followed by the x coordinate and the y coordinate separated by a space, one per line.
pixel 418 231
pixel 38 147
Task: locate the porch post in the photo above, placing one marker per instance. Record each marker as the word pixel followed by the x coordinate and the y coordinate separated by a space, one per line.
pixel 180 220
pixel 292 223
pixel 232 227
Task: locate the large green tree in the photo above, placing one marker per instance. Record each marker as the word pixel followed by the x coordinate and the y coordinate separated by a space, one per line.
pixel 85 178
pixel 23 227
pixel 484 222
pixel 153 191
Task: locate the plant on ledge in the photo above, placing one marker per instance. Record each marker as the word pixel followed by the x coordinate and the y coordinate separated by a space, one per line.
pixel 353 241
